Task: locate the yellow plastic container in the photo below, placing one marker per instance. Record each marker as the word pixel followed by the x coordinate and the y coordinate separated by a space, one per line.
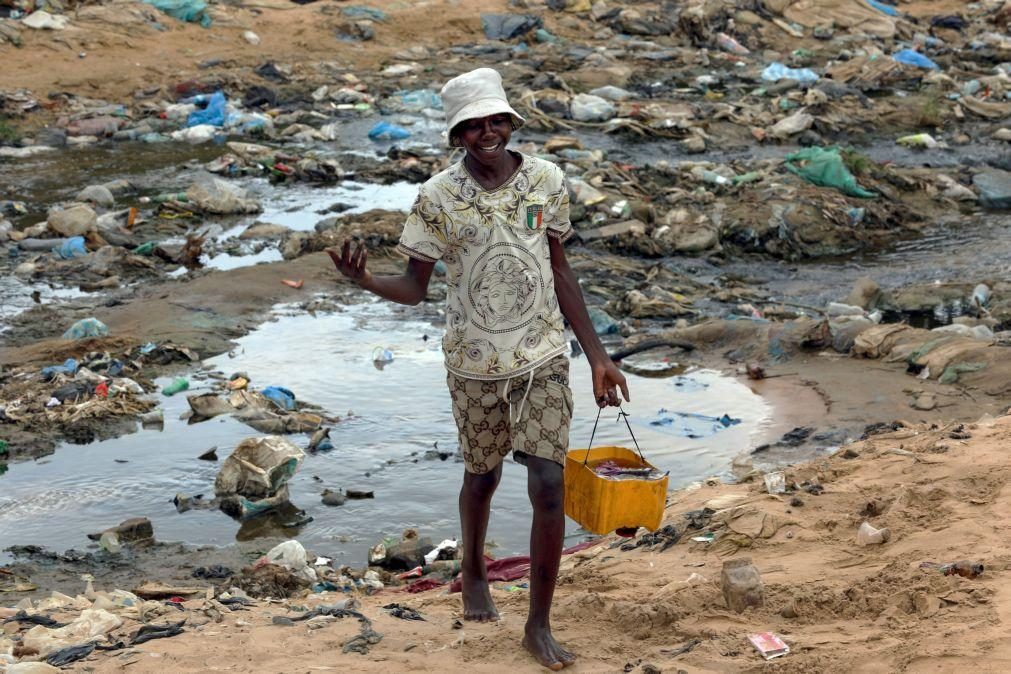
pixel 601 505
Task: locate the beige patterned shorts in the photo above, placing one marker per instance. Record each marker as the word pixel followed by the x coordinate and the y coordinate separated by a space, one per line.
pixel 482 412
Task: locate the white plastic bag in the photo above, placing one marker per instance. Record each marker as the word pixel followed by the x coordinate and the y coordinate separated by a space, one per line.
pixel 291 555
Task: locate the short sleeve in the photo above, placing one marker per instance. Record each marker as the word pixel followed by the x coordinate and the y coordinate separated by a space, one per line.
pixel 557 215
pixel 424 235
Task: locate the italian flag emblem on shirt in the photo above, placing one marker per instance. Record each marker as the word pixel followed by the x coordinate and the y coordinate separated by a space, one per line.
pixel 534 215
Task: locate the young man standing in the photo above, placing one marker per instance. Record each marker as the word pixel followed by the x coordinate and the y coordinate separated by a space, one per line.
pixel 498 220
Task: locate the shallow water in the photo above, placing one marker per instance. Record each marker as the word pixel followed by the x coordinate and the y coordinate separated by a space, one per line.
pixel 400 412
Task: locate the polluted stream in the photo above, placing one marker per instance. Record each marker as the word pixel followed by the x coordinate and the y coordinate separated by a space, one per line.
pixel 401 413
pixel 396 438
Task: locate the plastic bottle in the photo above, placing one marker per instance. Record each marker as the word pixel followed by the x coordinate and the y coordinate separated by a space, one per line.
pixel 964 568
pixel 710 177
pixel 742 584
pixel 868 535
pixel 177 385
pixel 729 44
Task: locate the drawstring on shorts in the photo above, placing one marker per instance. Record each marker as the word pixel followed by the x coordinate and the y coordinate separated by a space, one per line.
pixel 505 397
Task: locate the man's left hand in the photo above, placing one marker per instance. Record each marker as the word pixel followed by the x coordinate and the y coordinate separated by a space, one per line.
pixel 607 379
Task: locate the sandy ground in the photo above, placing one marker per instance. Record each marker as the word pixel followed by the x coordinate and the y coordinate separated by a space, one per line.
pixel 857 609
pixel 123 53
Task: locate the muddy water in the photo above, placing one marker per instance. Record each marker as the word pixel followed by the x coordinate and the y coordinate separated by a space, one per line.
pixel 400 412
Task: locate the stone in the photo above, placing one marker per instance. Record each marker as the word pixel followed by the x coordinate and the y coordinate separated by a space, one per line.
pixel 264 230
pixel 618 229
pixel 594 78
pixel 994 189
pixel 684 232
pixel 1002 134
pixel 98 195
pixel 333 498
pixel 95 126
pixel 693 145
pixel 74 221
pixel 866 294
pixel 925 402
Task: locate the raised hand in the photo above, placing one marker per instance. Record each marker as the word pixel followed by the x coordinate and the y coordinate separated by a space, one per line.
pixel 351 265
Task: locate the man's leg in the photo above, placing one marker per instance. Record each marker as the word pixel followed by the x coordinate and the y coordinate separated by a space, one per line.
pixel 545 486
pixel 475 505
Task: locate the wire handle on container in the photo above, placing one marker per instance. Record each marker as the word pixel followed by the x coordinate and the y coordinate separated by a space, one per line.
pixel 622 414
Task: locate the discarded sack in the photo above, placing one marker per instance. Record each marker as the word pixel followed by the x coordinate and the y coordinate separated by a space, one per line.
pixel 258 467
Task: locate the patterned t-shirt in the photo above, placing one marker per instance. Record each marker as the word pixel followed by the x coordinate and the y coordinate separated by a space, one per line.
pixel 502 314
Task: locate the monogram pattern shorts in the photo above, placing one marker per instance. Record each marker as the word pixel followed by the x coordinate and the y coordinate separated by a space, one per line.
pixel 482 412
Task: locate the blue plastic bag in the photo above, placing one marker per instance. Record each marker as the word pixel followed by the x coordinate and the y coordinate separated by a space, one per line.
pixel 213 114
pixel 190 11
pixel 280 396
pixel 914 58
pixel 68 368
pixel 777 71
pixel 386 131
pixel 419 99
pixel 71 248
pixel 85 328
pixel 883 8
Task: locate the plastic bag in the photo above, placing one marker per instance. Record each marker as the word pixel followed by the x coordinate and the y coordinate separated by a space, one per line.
pixel 86 328
pixel 387 131
pixel 419 99
pixel 214 113
pixel 292 556
pixel 508 26
pixel 280 396
pixel 914 58
pixel 91 625
pixel 68 368
pixel 825 167
pixel 217 196
pixel 190 11
pixel 71 248
pixel 775 72
pixel 589 108
pixel 258 467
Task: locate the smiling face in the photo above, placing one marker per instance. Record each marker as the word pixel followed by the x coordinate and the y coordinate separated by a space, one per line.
pixel 485 138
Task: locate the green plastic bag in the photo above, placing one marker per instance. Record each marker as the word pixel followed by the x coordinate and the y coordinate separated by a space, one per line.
pixel 826 168
pixel 190 11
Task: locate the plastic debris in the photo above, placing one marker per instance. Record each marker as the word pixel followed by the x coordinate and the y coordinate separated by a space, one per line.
pixel 86 328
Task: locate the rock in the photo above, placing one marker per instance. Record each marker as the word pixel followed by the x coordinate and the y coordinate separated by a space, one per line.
pixel 134 530
pixel 994 189
pixel 95 126
pixel 619 229
pixel 1002 134
pixel 74 221
pixel 683 231
pixel 693 145
pixel 594 78
pixel 407 554
pixel 98 195
pixel 925 402
pixel 210 455
pixel 51 137
pixel 334 498
pixel 264 230
pixel 866 294
pixel 792 125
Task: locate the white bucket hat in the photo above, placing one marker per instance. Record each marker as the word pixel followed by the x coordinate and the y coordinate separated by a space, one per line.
pixel 478 93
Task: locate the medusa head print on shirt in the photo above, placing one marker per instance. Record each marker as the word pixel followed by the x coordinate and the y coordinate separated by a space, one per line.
pixel 502 314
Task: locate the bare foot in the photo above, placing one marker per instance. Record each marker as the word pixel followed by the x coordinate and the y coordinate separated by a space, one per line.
pixel 542 645
pixel 477 602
